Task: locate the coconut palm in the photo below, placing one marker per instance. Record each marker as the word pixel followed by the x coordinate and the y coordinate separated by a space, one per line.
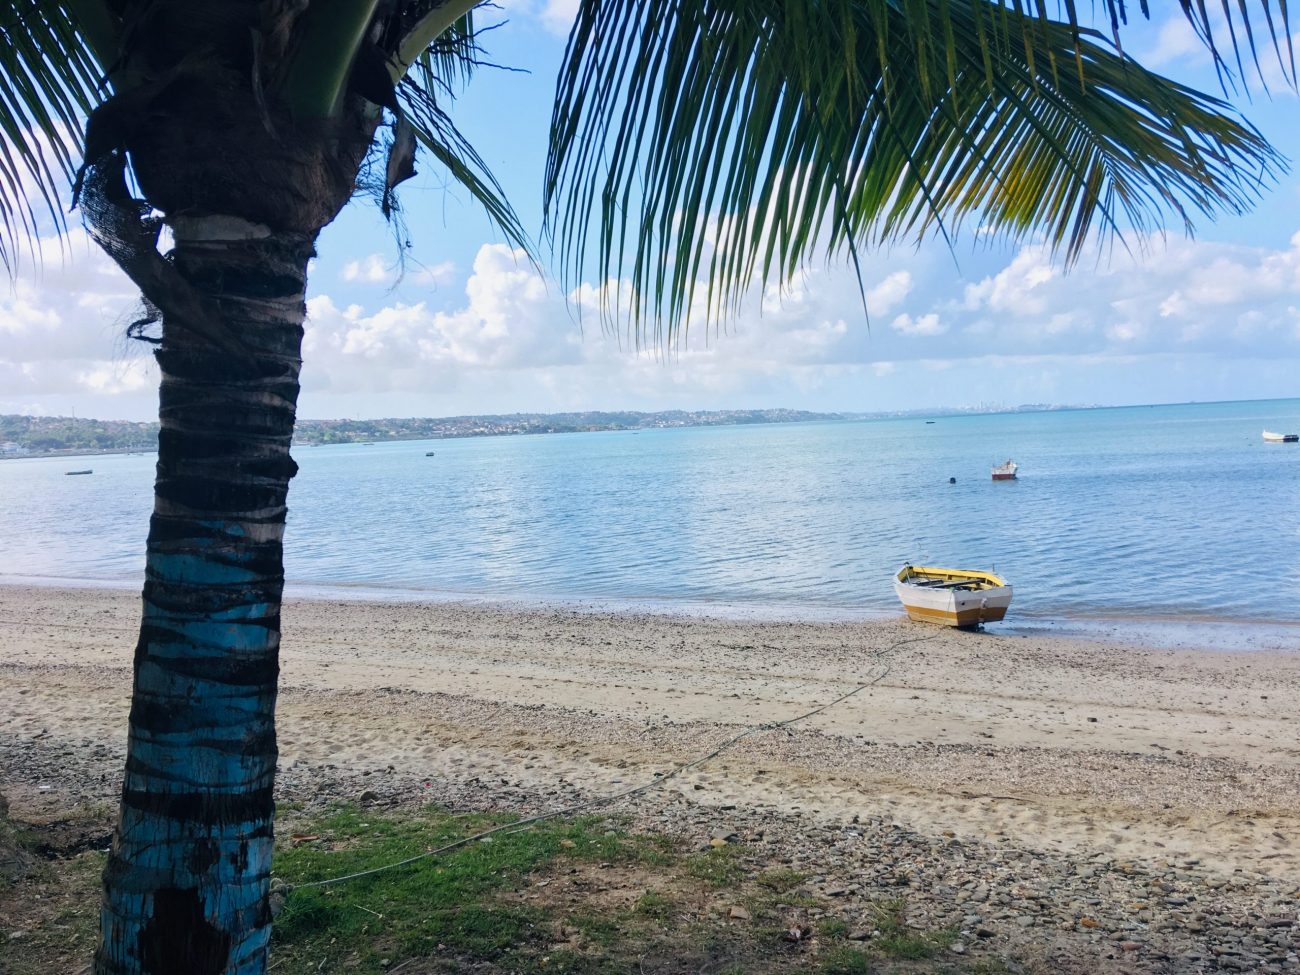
pixel 697 147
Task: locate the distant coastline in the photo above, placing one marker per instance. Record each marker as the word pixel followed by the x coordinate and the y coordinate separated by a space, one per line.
pixel 60 436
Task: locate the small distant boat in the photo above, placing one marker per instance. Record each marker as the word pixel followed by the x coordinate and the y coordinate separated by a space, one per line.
pixel 1006 472
pixel 929 421
pixel 71 473
pixel 429 453
pixel 1271 437
pixel 952 597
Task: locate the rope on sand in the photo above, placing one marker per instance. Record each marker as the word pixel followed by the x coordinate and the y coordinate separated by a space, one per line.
pixel 282 890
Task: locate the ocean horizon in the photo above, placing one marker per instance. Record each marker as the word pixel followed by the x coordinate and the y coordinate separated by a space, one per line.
pixel 1175 521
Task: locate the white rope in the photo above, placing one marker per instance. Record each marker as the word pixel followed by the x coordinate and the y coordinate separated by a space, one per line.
pixel 520 825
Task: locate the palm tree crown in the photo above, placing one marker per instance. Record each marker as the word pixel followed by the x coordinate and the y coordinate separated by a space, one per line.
pixel 693 144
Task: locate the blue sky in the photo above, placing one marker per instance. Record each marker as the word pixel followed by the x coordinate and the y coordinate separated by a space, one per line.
pixel 468 327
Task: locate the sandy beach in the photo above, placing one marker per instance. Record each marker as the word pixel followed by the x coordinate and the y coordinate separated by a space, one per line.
pixel 1175 766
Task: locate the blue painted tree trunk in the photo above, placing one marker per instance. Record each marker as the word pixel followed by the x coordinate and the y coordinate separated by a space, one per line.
pixel 186 885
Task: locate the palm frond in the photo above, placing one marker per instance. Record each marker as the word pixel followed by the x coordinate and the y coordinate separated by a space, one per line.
pixel 446 38
pixel 439 137
pixel 49 83
pixel 1243 29
pixel 440 32
pixel 728 141
pixel 448 63
pixel 435 76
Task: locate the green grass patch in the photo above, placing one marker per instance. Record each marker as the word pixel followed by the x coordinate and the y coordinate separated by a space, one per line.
pixel 846 961
pixel 907 947
pixel 574 897
pixel 781 879
pixel 718 867
pixel 439 905
pixel 899 941
pixel 654 905
pixel 459 905
pixel 987 966
pixel 833 928
pixel 596 928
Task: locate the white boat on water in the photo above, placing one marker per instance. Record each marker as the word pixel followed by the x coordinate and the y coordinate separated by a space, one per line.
pixel 1006 471
pixel 952 597
pixel 1271 437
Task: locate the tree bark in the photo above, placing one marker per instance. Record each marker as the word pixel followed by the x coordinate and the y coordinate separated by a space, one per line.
pixel 186 886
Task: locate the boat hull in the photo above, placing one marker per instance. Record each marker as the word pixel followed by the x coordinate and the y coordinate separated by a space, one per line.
pixel 961 608
pixel 1006 471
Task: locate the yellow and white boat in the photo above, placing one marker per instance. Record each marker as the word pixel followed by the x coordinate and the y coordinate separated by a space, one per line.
pixel 952 597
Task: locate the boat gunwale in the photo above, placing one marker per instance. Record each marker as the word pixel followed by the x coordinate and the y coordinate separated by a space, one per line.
pixel 908 571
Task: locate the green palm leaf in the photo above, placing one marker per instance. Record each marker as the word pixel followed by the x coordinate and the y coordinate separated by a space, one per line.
pixel 696 148
pixel 440 138
pixel 437 73
pixel 49 82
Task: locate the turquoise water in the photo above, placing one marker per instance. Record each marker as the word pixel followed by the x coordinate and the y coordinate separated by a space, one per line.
pixel 1167 513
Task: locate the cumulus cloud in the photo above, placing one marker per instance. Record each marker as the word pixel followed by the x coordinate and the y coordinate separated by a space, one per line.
pixel 889 293
pixel 116 378
pixel 510 319
pixel 514 326
pixel 63 322
pixel 1184 295
pixel 505 337
pixel 1018 288
pixel 371 269
pixel 1175 41
pixel 923 325
pixel 1194 297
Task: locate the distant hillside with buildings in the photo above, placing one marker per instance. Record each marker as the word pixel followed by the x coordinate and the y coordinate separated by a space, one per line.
pixel 42 435
pixel 31 435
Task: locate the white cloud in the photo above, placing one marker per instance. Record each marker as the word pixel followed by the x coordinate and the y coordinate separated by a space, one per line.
pixel 1276 77
pixel 1018 288
pixel 371 269
pixel 506 338
pixel 924 325
pixel 116 378
pixel 559 15
pixel 556 16
pixel 1124 332
pixel 1176 41
pixel 440 273
pixel 1180 295
pixel 510 320
pixel 889 293
pixel 63 325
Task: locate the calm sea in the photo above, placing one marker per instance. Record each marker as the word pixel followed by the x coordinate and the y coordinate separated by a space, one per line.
pixel 1165 516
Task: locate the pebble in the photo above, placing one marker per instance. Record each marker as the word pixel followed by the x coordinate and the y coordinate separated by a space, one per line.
pixel 1163 916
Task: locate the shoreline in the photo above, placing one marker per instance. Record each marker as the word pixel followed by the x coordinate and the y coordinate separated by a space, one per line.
pixel 1181 632
pixel 1033 781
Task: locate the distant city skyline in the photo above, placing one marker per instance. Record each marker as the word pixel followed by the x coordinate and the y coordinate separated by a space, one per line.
pixel 467 326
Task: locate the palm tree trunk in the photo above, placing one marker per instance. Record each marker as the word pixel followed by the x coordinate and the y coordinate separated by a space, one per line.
pixel 186 886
